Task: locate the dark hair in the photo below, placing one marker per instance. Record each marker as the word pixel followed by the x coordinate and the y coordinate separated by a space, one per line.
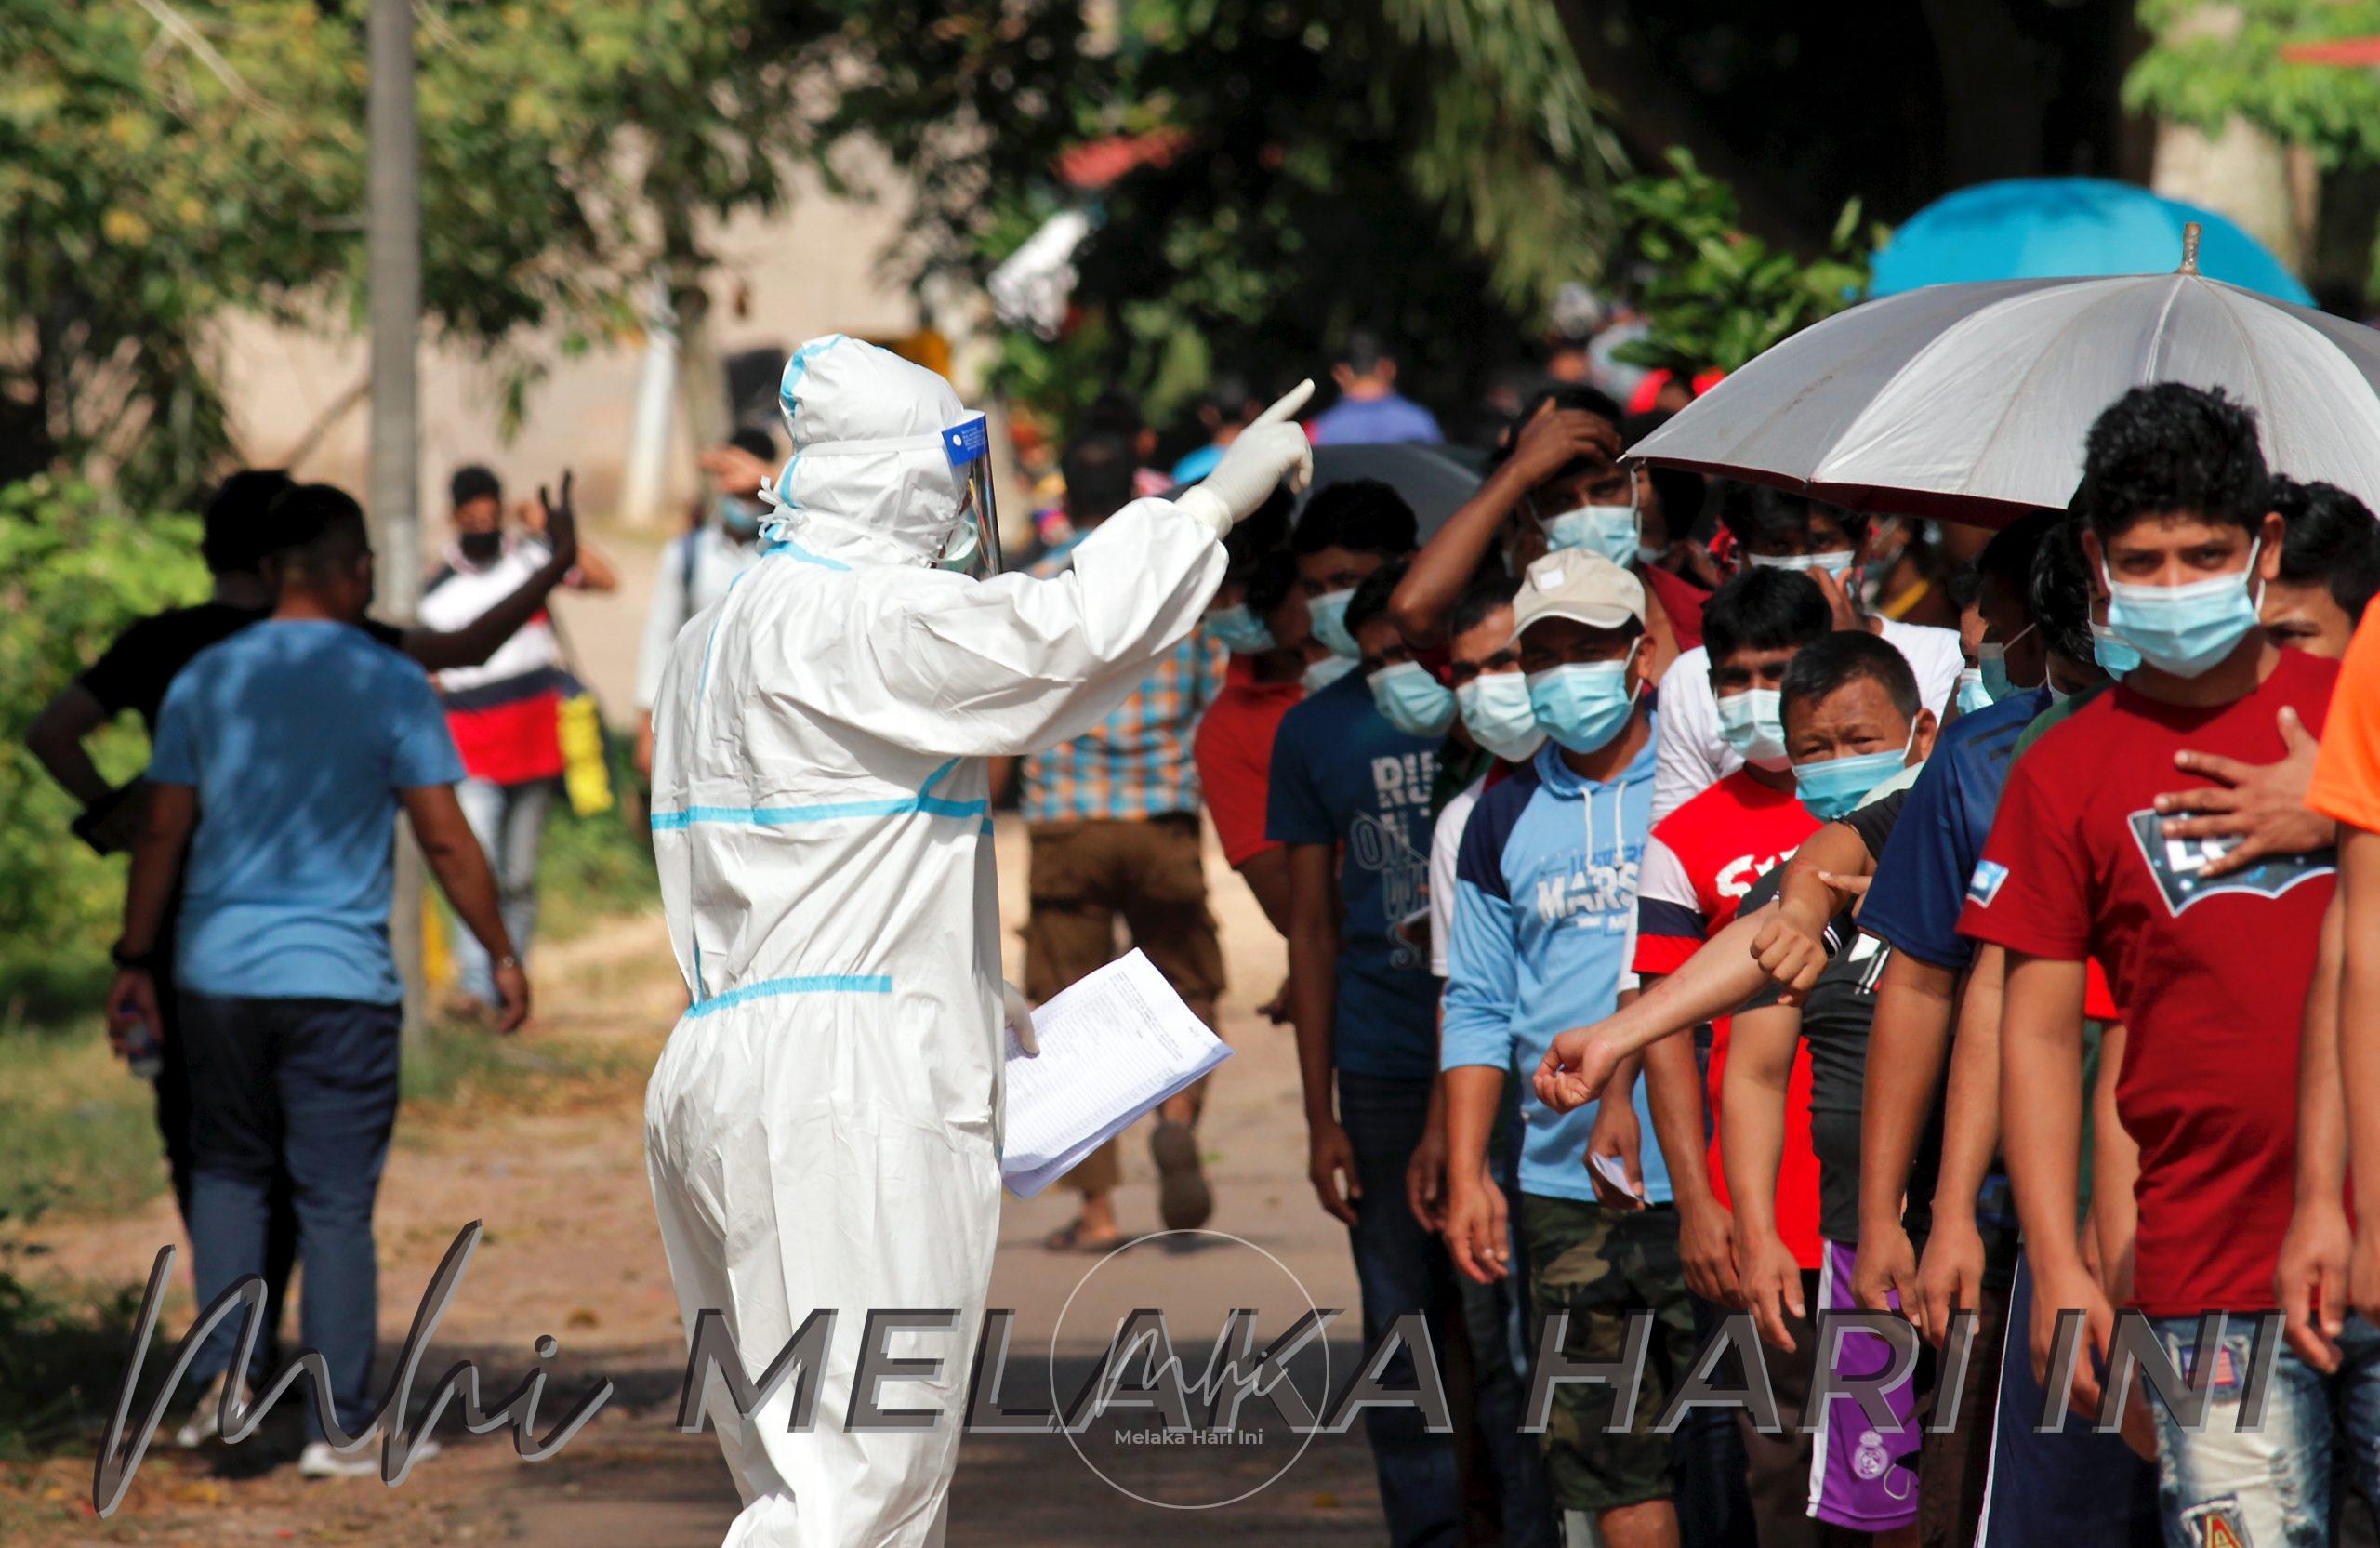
pixel 1098 470
pixel 1262 531
pixel 757 440
pixel 1825 667
pixel 473 481
pixel 1963 585
pixel 1114 412
pixel 1370 599
pixel 1363 351
pixel 1563 396
pixel 1270 581
pixel 1360 515
pixel 1681 491
pixel 1230 399
pixel 1755 512
pixel 2331 537
pixel 313 529
pixel 2173 447
pixel 2058 594
pixel 1481 599
pixel 236 518
pixel 2008 559
pixel 1764 610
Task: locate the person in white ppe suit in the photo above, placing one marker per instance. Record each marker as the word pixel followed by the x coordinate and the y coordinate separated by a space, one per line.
pixel 823 1130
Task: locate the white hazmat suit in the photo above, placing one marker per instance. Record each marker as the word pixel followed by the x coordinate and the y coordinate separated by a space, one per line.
pixel 823 1128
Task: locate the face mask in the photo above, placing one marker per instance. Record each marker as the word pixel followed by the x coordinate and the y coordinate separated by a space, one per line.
pixel 2116 658
pixel 740 517
pixel 1994 662
pixel 1609 530
pixel 1329 612
pixel 1836 563
pixel 1321 674
pixel 1414 701
pixel 2183 629
pixel 479 547
pixel 1582 704
pixel 1648 555
pixel 1833 787
pixel 1240 631
pixel 1973 695
pixel 1753 724
pixel 1497 711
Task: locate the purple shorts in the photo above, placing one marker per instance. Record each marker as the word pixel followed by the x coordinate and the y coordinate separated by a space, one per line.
pixel 1862 1477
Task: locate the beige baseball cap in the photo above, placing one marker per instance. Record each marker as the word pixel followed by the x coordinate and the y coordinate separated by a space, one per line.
pixel 1584 588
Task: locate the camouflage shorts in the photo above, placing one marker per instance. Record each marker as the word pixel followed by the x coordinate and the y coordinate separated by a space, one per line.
pixel 1599 1265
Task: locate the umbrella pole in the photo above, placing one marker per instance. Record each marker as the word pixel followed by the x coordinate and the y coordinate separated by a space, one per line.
pixel 2189 249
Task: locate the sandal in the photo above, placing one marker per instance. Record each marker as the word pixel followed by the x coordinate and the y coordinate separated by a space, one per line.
pixel 1070 1238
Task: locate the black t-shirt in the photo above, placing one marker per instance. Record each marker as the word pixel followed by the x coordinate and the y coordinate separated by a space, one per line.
pixel 135 670
pixel 1836 1018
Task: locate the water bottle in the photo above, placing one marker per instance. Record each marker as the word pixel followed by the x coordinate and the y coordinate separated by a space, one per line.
pixel 144 1050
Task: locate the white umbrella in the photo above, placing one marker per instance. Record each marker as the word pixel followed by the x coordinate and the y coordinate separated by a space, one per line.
pixel 1970 402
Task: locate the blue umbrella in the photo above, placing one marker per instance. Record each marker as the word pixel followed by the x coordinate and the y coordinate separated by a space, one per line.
pixel 2058 228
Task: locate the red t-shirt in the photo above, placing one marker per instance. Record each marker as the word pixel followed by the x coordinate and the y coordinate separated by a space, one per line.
pixel 1701 861
pixel 1233 748
pixel 1681 600
pixel 2212 977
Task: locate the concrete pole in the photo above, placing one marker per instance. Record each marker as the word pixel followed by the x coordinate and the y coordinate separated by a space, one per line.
pixel 644 484
pixel 392 234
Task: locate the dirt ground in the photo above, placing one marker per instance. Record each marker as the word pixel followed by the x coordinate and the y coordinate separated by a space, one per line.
pixel 571 1251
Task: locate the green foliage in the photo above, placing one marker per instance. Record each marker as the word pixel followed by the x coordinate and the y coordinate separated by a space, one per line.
pixel 1714 295
pixel 163 160
pixel 2206 76
pixel 1430 167
pixel 75 567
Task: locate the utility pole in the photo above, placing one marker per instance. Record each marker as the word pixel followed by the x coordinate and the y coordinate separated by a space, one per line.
pixel 392 227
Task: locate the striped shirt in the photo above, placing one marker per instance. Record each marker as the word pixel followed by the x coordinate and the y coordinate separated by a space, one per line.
pixel 1136 762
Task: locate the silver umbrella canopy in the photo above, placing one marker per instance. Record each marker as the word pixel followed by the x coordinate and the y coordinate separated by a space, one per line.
pixel 1970 402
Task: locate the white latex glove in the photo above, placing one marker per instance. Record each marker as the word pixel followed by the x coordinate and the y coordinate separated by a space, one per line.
pixel 1020 1018
pixel 1273 447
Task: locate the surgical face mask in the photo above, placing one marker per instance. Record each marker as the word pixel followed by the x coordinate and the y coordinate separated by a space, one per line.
pixel 2183 629
pixel 1836 787
pixel 1240 631
pixel 1583 705
pixel 1412 701
pixel 1836 563
pixel 1647 554
pixel 1993 660
pixel 1321 674
pixel 1973 695
pixel 741 517
pixel 479 547
pixel 1753 724
pixel 1498 713
pixel 1329 612
pixel 2115 655
pixel 1609 530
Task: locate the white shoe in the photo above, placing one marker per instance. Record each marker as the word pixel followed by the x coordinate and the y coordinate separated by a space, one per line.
pixel 318 1461
pixel 203 1423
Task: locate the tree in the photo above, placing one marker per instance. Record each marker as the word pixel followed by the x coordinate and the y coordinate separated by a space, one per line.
pixel 162 161
pixel 1430 167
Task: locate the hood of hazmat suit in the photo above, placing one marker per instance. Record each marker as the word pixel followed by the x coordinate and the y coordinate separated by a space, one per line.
pixel 823 1129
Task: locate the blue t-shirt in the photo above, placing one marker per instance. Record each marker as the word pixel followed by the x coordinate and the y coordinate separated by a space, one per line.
pixel 297 736
pixel 1375 422
pixel 1342 774
pixel 1546 893
pixel 1921 880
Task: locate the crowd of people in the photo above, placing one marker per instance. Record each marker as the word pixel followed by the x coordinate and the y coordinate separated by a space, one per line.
pixel 1583 822
pixel 1623 993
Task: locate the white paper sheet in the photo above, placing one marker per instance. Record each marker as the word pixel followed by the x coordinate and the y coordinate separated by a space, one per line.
pixel 1114 1045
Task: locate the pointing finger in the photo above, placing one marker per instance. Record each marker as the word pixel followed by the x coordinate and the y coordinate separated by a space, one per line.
pixel 1286 405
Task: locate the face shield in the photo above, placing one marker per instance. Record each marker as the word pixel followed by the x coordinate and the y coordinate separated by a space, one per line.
pixel 973 548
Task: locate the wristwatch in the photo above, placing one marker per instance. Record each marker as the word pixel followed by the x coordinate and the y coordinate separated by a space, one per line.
pixel 146 961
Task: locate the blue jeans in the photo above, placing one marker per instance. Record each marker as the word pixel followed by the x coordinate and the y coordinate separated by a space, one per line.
pixel 2270 1486
pixel 1400 1269
pixel 299 1094
pixel 509 821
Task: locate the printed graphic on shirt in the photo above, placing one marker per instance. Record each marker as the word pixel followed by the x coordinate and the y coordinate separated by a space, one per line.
pixel 1989 875
pixel 2178 866
pixel 2215 1524
pixel 1384 845
pixel 1600 896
